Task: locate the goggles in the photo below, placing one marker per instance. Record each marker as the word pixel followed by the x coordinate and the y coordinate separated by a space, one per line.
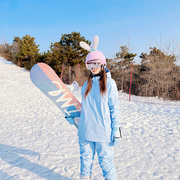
pixel 93 65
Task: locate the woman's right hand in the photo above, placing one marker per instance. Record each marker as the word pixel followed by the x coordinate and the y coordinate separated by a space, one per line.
pixel 70 120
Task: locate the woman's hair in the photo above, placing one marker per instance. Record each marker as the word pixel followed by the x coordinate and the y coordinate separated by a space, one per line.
pixel 102 83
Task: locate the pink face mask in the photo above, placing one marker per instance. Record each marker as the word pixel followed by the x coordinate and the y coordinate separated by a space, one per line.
pixel 93 64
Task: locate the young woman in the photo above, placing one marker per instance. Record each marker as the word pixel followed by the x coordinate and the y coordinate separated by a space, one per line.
pixel 98 127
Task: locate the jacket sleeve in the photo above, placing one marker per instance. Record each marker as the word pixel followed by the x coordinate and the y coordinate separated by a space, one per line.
pixel 83 89
pixel 113 103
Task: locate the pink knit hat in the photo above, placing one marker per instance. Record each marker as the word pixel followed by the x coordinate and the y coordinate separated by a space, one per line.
pixel 94 54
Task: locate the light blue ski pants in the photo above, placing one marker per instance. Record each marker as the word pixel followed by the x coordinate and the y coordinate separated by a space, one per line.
pixel 105 154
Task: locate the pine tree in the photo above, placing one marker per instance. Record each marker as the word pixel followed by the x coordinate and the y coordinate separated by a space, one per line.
pixel 16 48
pixel 68 53
pixel 28 51
pixel 73 52
pixel 123 60
pixel 124 57
pixel 157 58
pixel 55 57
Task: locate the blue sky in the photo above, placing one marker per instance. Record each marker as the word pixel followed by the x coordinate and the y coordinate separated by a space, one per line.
pixel 138 24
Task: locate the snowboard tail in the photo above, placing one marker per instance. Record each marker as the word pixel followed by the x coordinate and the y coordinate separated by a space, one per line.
pixel 45 79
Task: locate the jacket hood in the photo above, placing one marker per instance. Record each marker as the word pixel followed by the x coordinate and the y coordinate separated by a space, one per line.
pixel 108 72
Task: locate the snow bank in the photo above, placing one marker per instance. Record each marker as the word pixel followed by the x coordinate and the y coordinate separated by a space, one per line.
pixel 37 143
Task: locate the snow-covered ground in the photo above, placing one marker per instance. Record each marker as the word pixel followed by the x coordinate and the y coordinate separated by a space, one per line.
pixel 37 143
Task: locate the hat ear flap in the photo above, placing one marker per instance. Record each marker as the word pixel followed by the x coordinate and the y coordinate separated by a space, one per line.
pixel 95 42
pixel 85 46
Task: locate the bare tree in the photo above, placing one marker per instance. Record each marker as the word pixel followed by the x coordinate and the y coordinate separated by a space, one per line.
pixel 160 75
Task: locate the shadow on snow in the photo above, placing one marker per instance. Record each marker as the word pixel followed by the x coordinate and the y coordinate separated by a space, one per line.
pixel 12 156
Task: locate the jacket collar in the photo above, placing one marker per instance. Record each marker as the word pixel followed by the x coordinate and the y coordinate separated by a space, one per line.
pixel 97 77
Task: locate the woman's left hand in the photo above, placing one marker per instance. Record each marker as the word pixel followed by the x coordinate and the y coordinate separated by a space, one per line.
pixel 116 135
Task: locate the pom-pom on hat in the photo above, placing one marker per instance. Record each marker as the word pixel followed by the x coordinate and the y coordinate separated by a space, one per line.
pixel 94 54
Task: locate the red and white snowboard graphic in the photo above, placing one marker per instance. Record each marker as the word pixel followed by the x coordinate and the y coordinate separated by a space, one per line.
pixel 44 78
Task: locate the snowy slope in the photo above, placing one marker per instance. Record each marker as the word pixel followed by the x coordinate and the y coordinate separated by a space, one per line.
pixel 37 143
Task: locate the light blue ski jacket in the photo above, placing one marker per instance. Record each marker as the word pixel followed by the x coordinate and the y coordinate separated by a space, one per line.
pixel 98 112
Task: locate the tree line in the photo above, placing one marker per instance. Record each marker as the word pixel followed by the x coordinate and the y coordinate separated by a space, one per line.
pixel 156 75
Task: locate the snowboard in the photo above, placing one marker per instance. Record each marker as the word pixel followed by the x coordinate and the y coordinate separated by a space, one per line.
pixel 45 79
